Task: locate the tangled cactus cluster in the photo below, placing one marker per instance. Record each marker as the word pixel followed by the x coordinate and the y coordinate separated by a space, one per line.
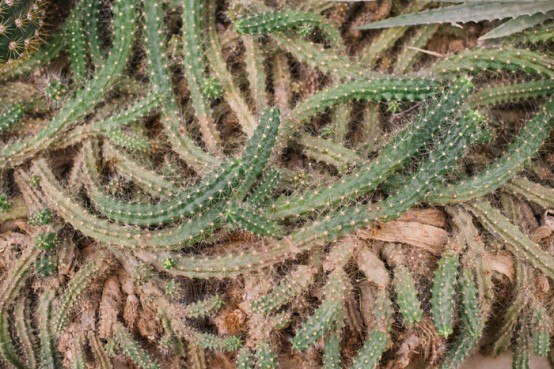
pixel 219 184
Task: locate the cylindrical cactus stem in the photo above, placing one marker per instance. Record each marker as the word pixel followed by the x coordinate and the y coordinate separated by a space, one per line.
pixel 406 296
pixel 218 65
pixel 13 281
pixel 24 330
pixel 284 19
pixel 48 356
pixel 265 357
pixel 521 150
pixel 329 315
pixel 195 73
pixel 10 116
pixel 540 328
pixel 411 52
pixel 132 349
pixel 245 359
pixel 20 27
pixel 443 292
pixel 521 292
pixel 289 288
pixel 472 323
pixel 516 241
pixel 331 355
pixel 76 286
pixel 180 141
pixel 370 354
pixel 535 192
pixel 512 93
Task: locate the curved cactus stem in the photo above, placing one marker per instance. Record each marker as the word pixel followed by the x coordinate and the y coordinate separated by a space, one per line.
pixel 147 179
pixel 255 69
pixel 328 152
pixel 231 93
pixel 77 47
pixel 75 287
pixel 540 328
pixel 78 360
pixel 175 237
pixel 195 67
pixel 285 19
pixel 515 240
pixel 253 221
pixel 47 345
pixel 402 147
pixel 86 98
pixel 261 193
pixel 472 324
pixel 329 314
pixel 505 332
pixel 180 141
pixel 409 54
pixel 203 308
pixel 524 146
pixel 535 192
pixel 91 19
pixel 331 355
pixel 12 284
pixel 24 330
pixel 294 284
pixel 495 59
pixel 265 357
pixel 132 349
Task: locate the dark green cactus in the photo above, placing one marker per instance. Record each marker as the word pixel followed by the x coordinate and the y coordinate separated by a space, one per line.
pixel 20 27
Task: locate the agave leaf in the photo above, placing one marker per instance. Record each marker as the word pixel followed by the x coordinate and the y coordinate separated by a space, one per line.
pixel 516 25
pixel 467 12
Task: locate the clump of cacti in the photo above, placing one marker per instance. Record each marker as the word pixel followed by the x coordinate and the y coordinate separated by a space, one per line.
pixel 210 184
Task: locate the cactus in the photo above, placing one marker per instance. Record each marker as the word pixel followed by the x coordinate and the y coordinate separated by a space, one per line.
pixel 496 59
pixel 132 349
pixel 79 282
pixel 231 92
pixel 471 322
pixel 194 62
pixel 284 19
pixel 42 217
pixel 293 284
pixel 20 28
pixel 391 156
pixel 328 316
pixel 24 330
pixel 442 300
pixel 542 195
pixel 10 116
pixel 406 296
pixel 86 98
pixel 245 359
pixel 525 145
pixel 515 92
pixel 516 241
pixel 48 354
pixel 369 355
pixel 265 358
pixel 46 241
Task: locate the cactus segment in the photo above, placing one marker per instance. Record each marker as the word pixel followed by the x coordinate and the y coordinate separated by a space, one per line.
pixel 443 292
pixel 515 240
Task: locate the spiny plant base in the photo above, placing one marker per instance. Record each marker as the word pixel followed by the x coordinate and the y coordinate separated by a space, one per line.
pixel 228 184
